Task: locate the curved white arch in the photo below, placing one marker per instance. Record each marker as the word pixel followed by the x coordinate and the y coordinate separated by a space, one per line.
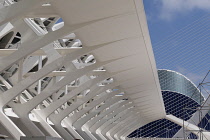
pixel 113 35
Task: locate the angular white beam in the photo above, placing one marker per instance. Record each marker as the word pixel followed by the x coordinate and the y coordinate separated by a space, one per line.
pixel 38 43
pixel 27 107
pixel 86 120
pixel 195 119
pixel 55 105
pixel 115 121
pixel 118 121
pixel 10 126
pixel 24 84
pixel 189 126
pixel 122 121
pixel 104 136
pixel 33 103
pixel 59 117
pixel 108 102
pixel 142 121
pixel 90 106
pixel 8 14
pixel 78 125
pixel 112 118
pixel 124 128
pixel 58 120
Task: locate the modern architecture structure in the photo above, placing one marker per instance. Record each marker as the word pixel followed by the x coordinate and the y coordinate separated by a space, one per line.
pixel 85 70
pixel 180 96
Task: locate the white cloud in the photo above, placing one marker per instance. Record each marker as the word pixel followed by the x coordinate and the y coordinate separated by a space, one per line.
pixel 170 8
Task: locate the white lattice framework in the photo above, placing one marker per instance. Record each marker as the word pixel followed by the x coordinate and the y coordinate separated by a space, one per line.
pixel 81 69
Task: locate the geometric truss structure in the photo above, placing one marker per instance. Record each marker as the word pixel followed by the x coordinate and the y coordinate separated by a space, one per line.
pixel 178 93
pixel 76 69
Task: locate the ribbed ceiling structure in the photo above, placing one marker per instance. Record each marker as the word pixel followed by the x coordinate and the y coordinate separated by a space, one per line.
pixel 80 69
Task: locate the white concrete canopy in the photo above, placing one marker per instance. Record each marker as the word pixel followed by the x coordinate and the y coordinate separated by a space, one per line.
pixel 52 70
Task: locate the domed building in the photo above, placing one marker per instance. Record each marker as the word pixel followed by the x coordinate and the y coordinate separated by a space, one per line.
pixel 181 98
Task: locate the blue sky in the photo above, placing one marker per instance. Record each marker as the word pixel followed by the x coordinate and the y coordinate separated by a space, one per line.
pixel 164 21
pixel 180 34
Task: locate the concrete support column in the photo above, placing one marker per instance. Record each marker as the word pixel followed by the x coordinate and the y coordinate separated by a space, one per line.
pixel 10 126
